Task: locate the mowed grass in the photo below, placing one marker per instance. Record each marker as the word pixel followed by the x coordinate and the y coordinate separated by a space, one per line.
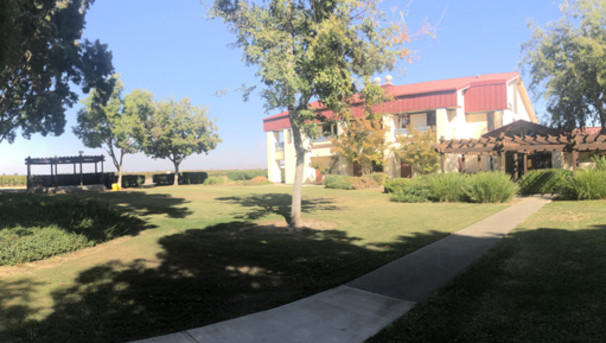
pixel 544 282
pixel 212 253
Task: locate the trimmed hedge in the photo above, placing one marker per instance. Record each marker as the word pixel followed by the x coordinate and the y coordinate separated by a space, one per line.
pixel 543 181
pixel 338 182
pixel 411 190
pixel 393 184
pixel 132 180
pixel 186 178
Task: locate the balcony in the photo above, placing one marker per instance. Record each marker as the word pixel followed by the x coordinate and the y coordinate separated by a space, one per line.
pixel 321 140
pixel 279 146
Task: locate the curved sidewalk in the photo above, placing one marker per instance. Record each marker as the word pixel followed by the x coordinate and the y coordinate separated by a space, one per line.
pixel 359 309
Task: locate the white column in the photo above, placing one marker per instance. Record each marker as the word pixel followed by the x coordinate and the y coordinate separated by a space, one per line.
pixel 273 167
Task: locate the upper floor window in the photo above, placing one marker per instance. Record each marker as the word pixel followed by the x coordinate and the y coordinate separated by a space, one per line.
pixel 403 121
pixel 431 118
pixel 490 121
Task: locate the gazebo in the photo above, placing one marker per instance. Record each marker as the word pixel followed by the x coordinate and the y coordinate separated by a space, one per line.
pixel 76 178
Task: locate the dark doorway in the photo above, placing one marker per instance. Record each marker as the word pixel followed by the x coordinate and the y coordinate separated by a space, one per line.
pixel 405 170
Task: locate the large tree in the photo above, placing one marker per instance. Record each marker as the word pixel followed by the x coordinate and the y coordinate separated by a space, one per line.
pixel 113 124
pixel 41 55
pixel 311 50
pixel 175 130
pixel 416 149
pixel 567 64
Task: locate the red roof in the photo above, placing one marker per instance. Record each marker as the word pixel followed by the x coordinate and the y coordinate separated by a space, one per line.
pixel 486 92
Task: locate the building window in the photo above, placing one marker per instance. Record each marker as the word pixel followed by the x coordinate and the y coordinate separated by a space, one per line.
pixel 490 121
pixel 403 121
pixel 431 119
pixel 329 129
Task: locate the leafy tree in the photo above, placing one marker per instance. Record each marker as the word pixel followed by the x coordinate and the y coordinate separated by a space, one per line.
pixel 176 130
pixel 112 124
pixel 417 150
pixel 40 56
pixel 362 140
pixel 567 64
pixel 311 50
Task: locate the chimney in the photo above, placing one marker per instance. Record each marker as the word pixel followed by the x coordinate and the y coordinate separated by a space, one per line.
pixel 377 81
pixel 388 79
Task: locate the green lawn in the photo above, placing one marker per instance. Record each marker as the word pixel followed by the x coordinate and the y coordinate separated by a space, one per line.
pixel 201 259
pixel 544 282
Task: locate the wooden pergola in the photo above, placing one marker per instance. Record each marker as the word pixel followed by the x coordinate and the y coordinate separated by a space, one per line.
pixel 55 161
pixel 497 147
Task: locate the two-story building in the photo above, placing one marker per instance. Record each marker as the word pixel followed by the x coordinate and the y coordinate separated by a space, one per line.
pixel 460 108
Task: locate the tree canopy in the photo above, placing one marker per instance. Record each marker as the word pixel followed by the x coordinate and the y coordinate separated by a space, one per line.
pixel 416 149
pixel 113 124
pixel 308 50
pixel 41 54
pixel 566 61
pixel 176 130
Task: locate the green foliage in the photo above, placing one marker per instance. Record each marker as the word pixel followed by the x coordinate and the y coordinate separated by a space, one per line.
pixel 585 184
pixel 450 187
pixel 163 179
pixel 338 182
pixel 13 180
pixel 543 181
pixel 411 190
pixel 566 61
pixel 36 227
pixel 176 130
pixel 600 161
pixel 186 178
pixel 133 180
pixel 417 150
pixel 393 184
pixel 257 180
pixel 113 123
pixel 41 56
pixel 490 187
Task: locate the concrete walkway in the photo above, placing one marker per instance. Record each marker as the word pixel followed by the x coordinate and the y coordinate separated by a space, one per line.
pixel 361 308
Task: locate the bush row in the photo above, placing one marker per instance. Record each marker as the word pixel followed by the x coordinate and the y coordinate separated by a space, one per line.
pixel 185 178
pixel 584 184
pixel 37 227
pixel 542 181
pixel 479 188
pixel 239 175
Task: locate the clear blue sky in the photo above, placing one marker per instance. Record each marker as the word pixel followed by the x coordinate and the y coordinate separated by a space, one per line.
pixel 171 49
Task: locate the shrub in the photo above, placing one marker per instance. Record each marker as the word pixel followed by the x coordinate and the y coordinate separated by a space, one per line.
pixel 37 227
pixel 600 162
pixel 338 182
pixel 364 182
pixel 379 178
pixel 132 180
pixel 585 184
pixel 449 187
pixel 216 180
pixel 490 187
pixel 163 179
pixel 543 181
pixel 192 178
pixel 411 190
pixel 393 184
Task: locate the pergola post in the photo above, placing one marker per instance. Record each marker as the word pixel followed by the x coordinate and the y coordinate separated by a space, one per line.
pixel 29 173
pixel 515 166
pixel 479 163
pixel 442 162
pixel 525 162
pixel 575 159
pixel 503 161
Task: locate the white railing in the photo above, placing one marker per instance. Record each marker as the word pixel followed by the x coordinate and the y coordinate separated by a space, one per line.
pixel 404 132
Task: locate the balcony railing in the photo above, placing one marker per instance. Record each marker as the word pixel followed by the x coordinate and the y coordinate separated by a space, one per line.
pixel 404 132
pixel 279 146
pixel 319 140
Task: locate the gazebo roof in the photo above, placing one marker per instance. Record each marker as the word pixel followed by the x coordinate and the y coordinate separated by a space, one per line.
pixel 65 160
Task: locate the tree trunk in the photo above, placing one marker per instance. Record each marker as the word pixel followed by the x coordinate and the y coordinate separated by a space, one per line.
pixel 176 163
pixel 120 167
pixel 295 210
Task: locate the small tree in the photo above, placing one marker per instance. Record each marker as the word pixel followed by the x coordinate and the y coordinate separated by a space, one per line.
pixel 362 140
pixel 112 124
pixel 176 130
pixel 417 150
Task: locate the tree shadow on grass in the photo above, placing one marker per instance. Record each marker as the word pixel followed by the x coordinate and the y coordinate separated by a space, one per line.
pixel 261 205
pixel 145 204
pixel 205 276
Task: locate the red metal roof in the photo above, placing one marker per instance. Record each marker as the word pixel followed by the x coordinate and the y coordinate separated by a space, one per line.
pixel 486 92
